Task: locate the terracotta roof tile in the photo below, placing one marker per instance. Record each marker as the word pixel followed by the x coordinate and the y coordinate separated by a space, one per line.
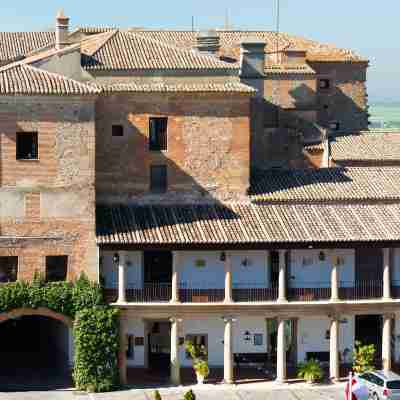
pixel 367 146
pixel 128 51
pixel 247 224
pixel 22 79
pixel 327 185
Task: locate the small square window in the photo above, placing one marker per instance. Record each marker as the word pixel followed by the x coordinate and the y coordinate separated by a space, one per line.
pixel 324 84
pixel 56 268
pixel 8 269
pixel 27 146
pixel 158 178
pixel 117 130
pixel 158 134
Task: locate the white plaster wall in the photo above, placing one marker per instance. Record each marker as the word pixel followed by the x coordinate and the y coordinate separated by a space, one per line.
pixel 318 273
pixel 312 333
pixel 136 327
pixel 253 275
pixel 134 275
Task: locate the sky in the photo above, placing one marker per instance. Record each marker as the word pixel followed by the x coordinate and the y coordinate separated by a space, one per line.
pixel 372 28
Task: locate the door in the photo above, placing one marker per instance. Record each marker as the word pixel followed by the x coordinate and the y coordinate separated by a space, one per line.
pixel 369 264
pixel 157 266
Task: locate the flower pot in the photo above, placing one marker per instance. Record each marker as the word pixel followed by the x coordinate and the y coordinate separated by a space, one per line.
pixel 200 378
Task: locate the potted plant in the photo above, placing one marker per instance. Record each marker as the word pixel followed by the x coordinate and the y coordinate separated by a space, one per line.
pixel 363 357
pixel 198 354
pixel 311 371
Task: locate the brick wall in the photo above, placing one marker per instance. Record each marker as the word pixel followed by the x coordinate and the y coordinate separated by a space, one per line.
pixel 49 203
pixel 208 146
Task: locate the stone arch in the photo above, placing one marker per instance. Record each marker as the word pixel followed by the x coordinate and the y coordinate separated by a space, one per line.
pixel 41 311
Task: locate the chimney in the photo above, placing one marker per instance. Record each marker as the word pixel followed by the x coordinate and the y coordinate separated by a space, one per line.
pixel 208 42
pixel 326 155
pixel 252 58
pixel 62 27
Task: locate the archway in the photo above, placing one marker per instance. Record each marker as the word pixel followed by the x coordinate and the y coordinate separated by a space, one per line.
pixel 36 350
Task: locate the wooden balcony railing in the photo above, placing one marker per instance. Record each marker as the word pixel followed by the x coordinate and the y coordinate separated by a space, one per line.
pixel 188 295
pixel 361 290
pixel 150 293
pixel 319 293
pixel 253 295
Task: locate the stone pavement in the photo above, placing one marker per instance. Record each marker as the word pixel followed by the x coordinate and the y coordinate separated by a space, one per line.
pixel 259 391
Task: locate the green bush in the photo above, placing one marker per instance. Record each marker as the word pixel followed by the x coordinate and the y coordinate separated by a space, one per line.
pixel 62 297
pixel 157 395
pixel 198 354
pixel 96 349
pixel 310 370
pixel 363 357
pixel 189 395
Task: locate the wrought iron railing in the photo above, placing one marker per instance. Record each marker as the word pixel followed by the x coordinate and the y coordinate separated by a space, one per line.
pixel 195 295
pixel 154 292
pixel 316 291
pixel 361 290
pixel 242 293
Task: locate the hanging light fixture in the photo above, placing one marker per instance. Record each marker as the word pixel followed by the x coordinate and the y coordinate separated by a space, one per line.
pixel 116 258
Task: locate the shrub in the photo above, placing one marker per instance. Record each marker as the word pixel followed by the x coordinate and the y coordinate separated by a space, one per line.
pixel 310 370
pixel 198 354
pixel 96 349
pixel 157 395
pixel 201 367
pixel 189 395
pixel 363 357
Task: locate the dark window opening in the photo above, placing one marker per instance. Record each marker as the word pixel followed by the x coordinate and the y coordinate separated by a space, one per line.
pixel 326 106
pixel 56 268
pixel 158 136
pixel 274 268
pixel 8 269
pixel 27 145
pixel 117 130
pixel 158 178
pixel 324 84
pixel 130 351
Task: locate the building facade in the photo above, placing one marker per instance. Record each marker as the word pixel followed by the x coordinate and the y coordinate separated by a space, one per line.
pixel 220 185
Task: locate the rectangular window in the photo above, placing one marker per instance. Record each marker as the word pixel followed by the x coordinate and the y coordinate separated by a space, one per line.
pixel 158 134
pixel 8 269
pixel 56 268
pixel 200 340
pixel 158 178
pixel 117 130
pixel 324 84
pixel 130 349
pixel 27 145
pixel 258 339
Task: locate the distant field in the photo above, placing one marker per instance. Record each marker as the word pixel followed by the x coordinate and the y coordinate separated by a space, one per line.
pixel 390 113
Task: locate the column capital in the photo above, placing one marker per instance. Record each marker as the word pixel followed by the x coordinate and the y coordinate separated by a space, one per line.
pixel 227 319
pixel 175 319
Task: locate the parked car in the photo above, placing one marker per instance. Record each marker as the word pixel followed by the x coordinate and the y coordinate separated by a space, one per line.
pixel 382 385
pixel 359 390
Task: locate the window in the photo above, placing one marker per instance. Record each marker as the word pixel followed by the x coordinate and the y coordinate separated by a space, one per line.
pixel 324 84
pixel 117 130
pixel 198 340
pixel 27 145
pixel 158 178
pixel 8 269
pixel 158 128
pixel 130 349
pixel 56 268
pixel 258 339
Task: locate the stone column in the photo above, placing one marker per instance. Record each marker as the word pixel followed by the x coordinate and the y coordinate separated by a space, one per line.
pixel 228 350
pixel 228 278
pixel 281 375
pixel 334 349
pixel 386 275
pixel 122 362
pixel 334 278
pixel 175 362
pixel 386 343
pixel 121 278
pixel 282 277
pixel 175 277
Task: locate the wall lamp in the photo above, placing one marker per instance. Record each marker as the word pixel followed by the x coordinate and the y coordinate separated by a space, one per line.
pixel 116 258
pixel 222 256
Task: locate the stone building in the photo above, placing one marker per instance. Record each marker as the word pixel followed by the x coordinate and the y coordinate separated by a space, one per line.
pixel 221 185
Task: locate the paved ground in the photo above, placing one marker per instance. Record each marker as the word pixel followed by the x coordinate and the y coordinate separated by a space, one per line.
pixel 260 391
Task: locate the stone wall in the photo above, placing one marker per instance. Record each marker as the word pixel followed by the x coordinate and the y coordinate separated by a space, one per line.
pixel 48 205
pixel 208 147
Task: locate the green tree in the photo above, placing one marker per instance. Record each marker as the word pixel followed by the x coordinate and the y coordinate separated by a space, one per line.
pixel 363 357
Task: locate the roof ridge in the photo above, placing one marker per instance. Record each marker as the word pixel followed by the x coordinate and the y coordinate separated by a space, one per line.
pixel 107 36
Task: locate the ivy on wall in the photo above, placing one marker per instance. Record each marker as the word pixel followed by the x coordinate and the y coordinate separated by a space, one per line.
pixel 95 328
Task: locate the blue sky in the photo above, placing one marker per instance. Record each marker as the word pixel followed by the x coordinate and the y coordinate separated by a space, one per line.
pixel 370 27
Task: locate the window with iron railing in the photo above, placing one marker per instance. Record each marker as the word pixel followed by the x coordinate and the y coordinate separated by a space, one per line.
pixel 158 134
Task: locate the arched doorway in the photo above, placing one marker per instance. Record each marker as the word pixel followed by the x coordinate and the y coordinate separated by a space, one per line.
pixel 36 350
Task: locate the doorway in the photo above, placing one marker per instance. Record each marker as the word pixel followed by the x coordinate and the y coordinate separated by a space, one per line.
pixel 159 346
pixel 368 330
pixel 157 267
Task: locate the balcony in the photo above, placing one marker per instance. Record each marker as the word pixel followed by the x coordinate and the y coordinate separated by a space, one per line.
pixel 154 292
pixel 243 294
pixel 187 295
pixel 361 290
pixel 317 291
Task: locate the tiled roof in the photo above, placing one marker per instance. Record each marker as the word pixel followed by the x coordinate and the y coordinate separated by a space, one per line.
pixel 367 146
pixel 241 224
pixel 328 185
pixel 230 43
pixel 22 79
pixel 225 87
pixel 129 51
pixel 14 45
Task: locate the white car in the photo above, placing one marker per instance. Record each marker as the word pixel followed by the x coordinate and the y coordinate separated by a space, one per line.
pixel 382 385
